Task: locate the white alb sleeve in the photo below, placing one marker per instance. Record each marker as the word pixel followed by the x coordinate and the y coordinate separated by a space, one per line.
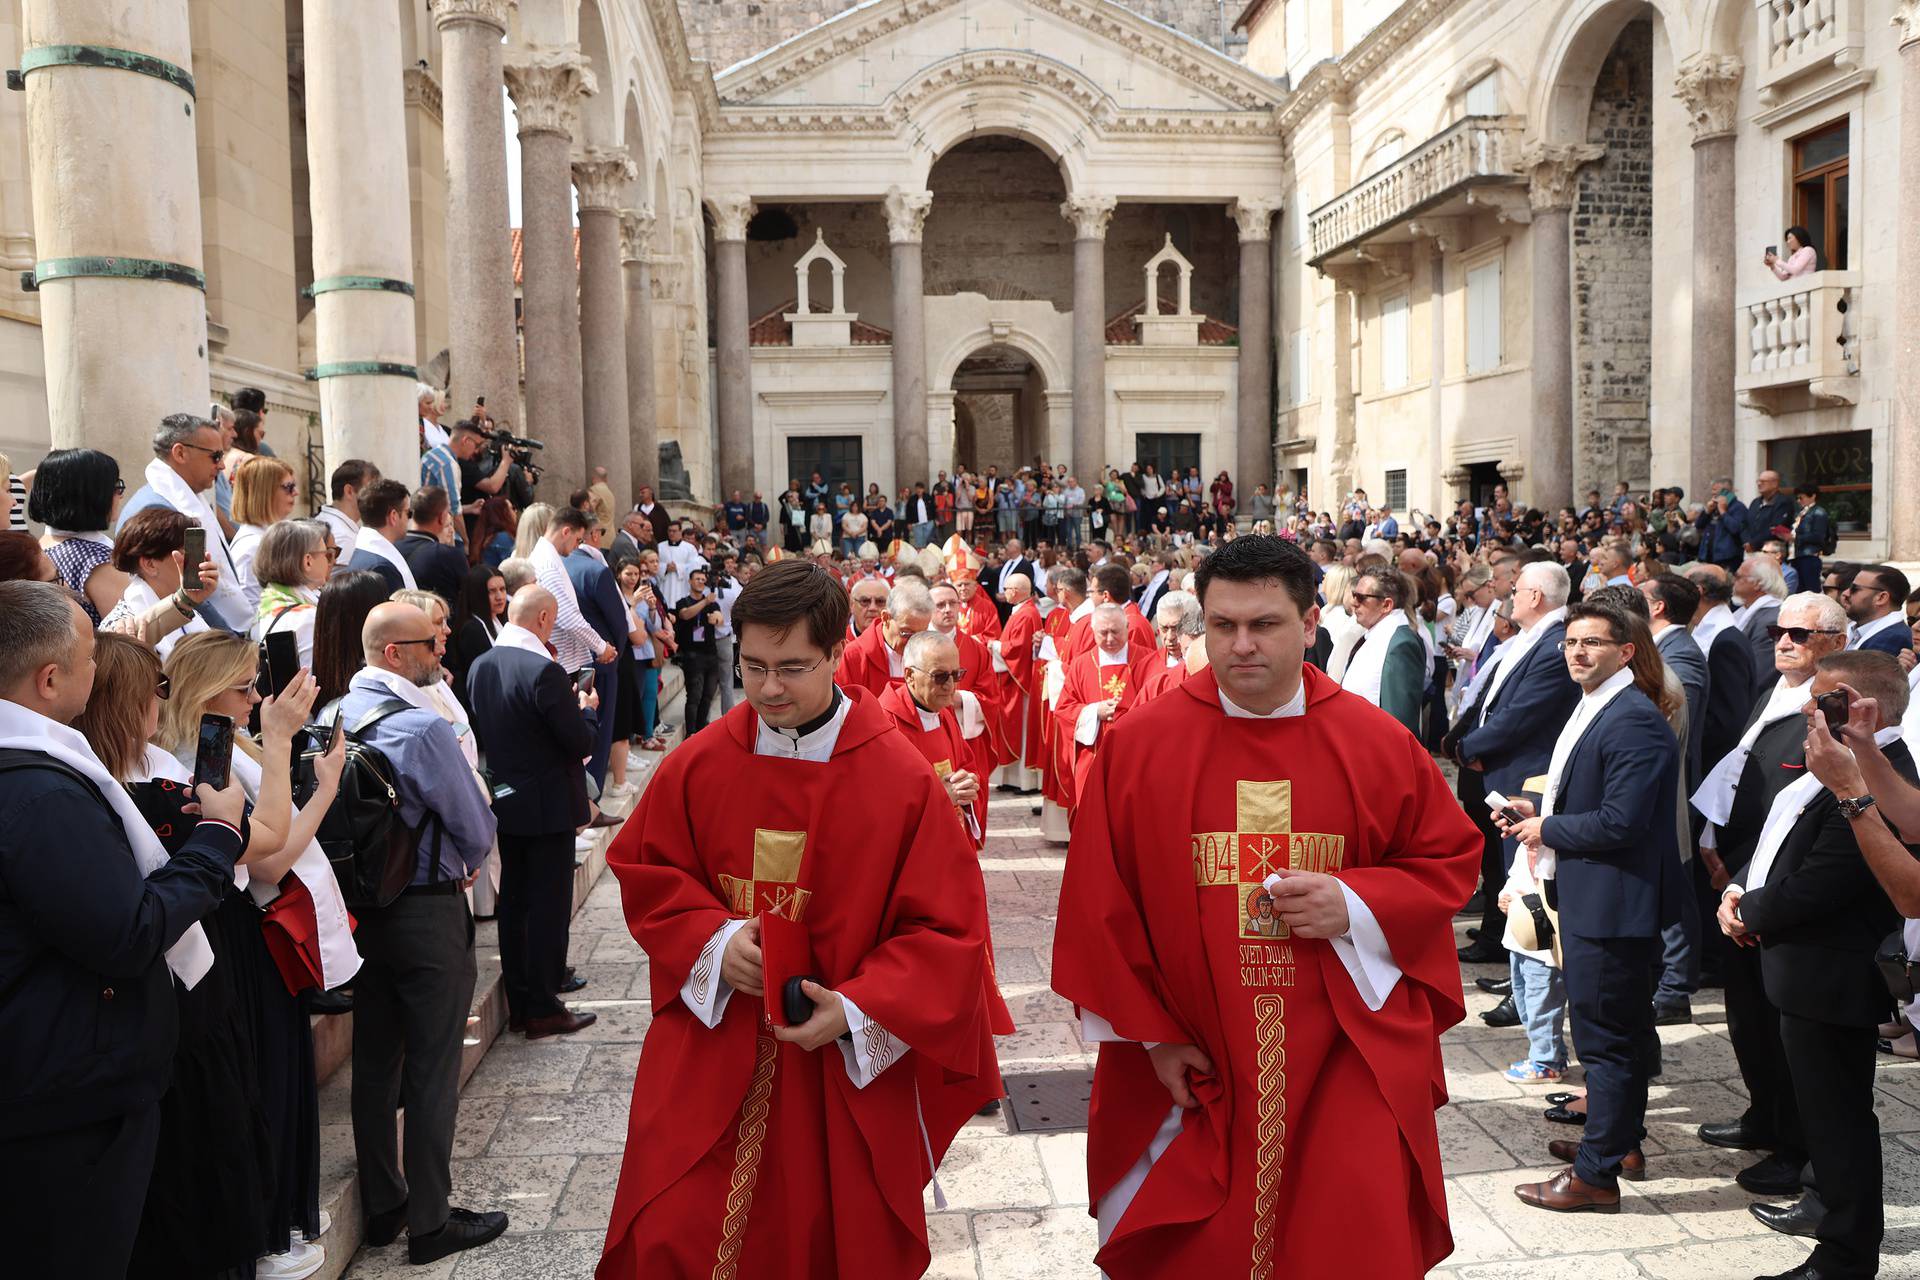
pixel 1365 953
pixel 872 1050
pixel 1087 727
pixel 704 992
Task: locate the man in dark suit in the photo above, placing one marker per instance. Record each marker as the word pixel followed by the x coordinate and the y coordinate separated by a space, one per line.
pixel 1615 865
pixel 1875 604
pixel 1470 787
pixel 1528 698
pixel 535 729
pixel 1758 589
pixel 656 516
pixel 1735 799
pixel 1730 680
pixel 1812 536
pixel 437 566
pixel 383 522
pixel 1161 582
pixel 1723 527
pixel 606 612
pixel 1016 562
pixel 1671 603
pixel 1811 905
pixel 1771 510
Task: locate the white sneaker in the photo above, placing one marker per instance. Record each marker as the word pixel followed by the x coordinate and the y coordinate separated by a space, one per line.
pixel 297 1263
pixel 583 844
pixel 326 1222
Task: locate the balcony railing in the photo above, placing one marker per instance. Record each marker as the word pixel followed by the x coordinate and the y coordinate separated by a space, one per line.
pixel 1799 347
pixel 1473 151
pixel 1796 36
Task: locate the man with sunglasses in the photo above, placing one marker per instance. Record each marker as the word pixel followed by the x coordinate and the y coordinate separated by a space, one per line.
pixel 923 709
pixel 187 453
pixel 1873 601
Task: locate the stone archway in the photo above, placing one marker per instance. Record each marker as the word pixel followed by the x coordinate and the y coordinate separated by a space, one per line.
pixel 999 410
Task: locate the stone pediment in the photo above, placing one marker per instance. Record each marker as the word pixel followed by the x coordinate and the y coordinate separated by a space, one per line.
pixel 873 65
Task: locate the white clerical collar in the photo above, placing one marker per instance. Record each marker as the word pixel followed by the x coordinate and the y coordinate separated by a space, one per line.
pixel 929 720
pixel 1113 659
pixel 1173 662
pixel 896 663
pixel 816 745
pixel 514 636
pixel 1295 706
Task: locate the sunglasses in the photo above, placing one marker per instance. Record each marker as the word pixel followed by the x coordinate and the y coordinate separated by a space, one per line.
pixel 1799 634
pixel 119 488
pixel 215 454
pixel 289 488
pixel 944 678
pixel 1363 595
pixel 163 686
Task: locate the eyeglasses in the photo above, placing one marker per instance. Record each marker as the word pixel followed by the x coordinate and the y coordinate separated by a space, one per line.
pixel 163 686
pixel 289 488
pixel 1591 644
pixel 119 488
pixel 1799 634
pixel 215 454
pixel 787 671
pixel 943 678
pixel 429 640
pixel 1860 586
pixel 1364 595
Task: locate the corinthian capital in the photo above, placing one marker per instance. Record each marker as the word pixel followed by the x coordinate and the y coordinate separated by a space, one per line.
pixel 1708 85
pixel 547 84
pixel 636 229
pixel 1254 218
pixel 1906 16
pixel 1553 171
pixel 1088 214
pixel 601 175
pixel 731 214
pixel 906 214
pixel 490 13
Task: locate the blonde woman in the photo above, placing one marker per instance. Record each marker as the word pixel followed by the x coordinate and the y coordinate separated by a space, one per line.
pixel 263 495
pixel 1337 616
pixel 533 527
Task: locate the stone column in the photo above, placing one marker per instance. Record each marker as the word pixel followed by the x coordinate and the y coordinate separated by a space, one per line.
pixel 906 216
pixel 1709 86
pixel 601 177
pixel 1253 428
pixel 480 339
pixel 636 228
pixel 116 220
pixel 1089 215
pixel 547 85
pixel 1903 441
pixel 1555 174
pixel 731 213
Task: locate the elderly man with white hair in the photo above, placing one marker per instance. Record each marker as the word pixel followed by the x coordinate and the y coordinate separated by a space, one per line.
pixel 1101 685
pixel 1017 652
pixel 1758 588
pixel 875 661
pixel 926 712
pixel 1179 627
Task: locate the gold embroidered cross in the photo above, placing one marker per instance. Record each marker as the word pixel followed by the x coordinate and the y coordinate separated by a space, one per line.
pixel 1116 684
pixel 1262 842
pixel 774 887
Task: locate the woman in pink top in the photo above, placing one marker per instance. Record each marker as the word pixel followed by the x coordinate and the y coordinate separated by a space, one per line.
pixel 1802 257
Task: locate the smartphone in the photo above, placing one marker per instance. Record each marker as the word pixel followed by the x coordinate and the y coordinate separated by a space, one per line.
pixel 339 731
pixel 213 757
pixel 1503 810
pixel 1773 251
pixel 480 401
pixel 1836 706
pixel 283 662
pixel 194 552
pixel 584 680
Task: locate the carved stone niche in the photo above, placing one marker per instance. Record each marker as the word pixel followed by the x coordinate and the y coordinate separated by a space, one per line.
pixel 821 328
pixel 1181 328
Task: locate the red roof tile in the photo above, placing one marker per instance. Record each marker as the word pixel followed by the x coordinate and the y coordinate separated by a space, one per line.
pixel 515 233
pixel 772 330
pixel 1123 332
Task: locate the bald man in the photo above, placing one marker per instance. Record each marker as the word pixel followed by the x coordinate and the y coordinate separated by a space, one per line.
pixel 1017 649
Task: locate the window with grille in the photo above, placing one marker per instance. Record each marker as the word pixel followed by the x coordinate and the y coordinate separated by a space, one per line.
pixel 1397 491
pixel 836 458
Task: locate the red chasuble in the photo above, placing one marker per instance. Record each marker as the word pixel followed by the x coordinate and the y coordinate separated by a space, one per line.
pixel 945 749
pixel 1056 767
pixel 1080 634
pixel 864 663
pixel 1314 1152
pixel 751 1159
pixel 990 750
pixel 1165 679
pixel 980 619
pixel 1089 682
pixel 1023 673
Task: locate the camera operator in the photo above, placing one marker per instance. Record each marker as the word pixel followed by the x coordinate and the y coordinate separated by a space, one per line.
pixel 696 619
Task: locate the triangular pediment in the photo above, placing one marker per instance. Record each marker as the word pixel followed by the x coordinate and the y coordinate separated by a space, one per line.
pixel 888 54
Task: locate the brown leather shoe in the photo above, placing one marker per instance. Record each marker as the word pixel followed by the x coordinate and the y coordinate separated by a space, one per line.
pixel 1633 1168
pixel 559 1024
pixel 1565 1193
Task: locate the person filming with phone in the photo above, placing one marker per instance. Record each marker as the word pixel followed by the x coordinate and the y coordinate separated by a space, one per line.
pixel 96 923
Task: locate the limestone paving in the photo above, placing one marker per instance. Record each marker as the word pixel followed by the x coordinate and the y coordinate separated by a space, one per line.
pixel 542 1125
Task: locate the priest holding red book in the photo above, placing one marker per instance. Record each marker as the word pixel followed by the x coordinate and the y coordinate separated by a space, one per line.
pixel 822 989
pixel 1268 1003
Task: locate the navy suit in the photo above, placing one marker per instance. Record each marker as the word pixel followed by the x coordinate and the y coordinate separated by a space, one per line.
pixel 1761 614
pixel 1762 517
pixel 1678 651
pixel 1730 695
pixel 364 559
pixel 1617 886
pixel 605 610
pixel 1889 640
pixel 1682 943
pixel 1524 716
pixel 436 566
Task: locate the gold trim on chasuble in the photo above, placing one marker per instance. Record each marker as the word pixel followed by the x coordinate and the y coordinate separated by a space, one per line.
pixel 1262 842
pixel 1116 685
pixel 746 1159
pixel 774 888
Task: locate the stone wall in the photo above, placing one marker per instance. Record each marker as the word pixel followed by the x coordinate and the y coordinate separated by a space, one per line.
pixel 728 31
pixel 1613 274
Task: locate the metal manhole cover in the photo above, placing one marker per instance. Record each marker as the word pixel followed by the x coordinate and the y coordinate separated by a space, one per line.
pixel 1049 1101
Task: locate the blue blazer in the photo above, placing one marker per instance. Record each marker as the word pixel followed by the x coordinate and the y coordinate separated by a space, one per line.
pixel 1890 640
pixel 1678 651
pixel 367 560
pixel 1613 825
pixel 599 596
pixel 1524 716
pixel 1723 538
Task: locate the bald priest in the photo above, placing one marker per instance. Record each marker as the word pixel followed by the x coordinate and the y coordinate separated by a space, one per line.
pixel 1269 1071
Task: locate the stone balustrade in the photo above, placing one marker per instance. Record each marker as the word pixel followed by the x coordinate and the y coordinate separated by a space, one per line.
pixel 1798 341
pixel 1797 36
pixel 1473 150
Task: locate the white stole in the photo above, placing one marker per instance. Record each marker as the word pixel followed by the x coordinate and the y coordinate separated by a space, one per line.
pixel 1714 797
pixel 1366 666
pixel 1786 811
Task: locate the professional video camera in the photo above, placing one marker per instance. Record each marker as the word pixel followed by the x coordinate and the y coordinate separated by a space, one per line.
pixel 524 473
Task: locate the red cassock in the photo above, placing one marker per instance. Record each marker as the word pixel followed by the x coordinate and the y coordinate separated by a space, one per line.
pixel 751 1158
pixel 864 663
pixel 944 747
pixel 1080 634
pixel 991 749
pixel 1165 679
pixel 1314 1153
pixel 1088 682
pixel 1056 765
pixel 1023 674
pixel 979 618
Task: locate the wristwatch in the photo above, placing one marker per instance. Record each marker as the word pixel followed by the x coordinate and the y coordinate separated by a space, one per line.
pixel 1851 809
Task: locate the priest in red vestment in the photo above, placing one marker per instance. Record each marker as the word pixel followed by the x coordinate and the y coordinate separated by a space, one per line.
pixel 1102 685
pixel 774 1151
pixel 978 617
pixel 984 720
pixel 1019 651
pixel 1292 975
pixel 1110 584
pixel 869 600
pixel 1069 588
pixel 873 661
pixel 922 709
pixel 1179 630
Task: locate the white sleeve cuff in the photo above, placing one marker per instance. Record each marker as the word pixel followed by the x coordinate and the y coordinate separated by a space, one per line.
pixel 1087 727
pixel 1047 650
pixel 1095 1029
pixel 704 992
pixel 1709 840
pixel 1365 953
pixel 973 720
pixel 873 1050
pixel 999 661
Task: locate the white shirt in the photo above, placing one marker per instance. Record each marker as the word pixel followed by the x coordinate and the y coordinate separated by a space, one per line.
pixel 1517 650
pixel 433 436
pixel 1717 619
pixel 574 639
pixel 1591 704
pixel 678 560
pixel 374 542
pixel 346 530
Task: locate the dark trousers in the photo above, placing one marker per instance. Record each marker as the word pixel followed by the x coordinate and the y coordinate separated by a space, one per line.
pixel 606 682
pixel 702 671
pixel 536 906
pixel 1610 999
pixel 1832 1070
pixel 1753 1024
pixel 1472 792
pixel 410 1005
pixel 1806 571
pixel 1680 952
pixel 70 1200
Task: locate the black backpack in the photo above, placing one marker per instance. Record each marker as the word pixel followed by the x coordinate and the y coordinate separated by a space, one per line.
pixel 372 851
